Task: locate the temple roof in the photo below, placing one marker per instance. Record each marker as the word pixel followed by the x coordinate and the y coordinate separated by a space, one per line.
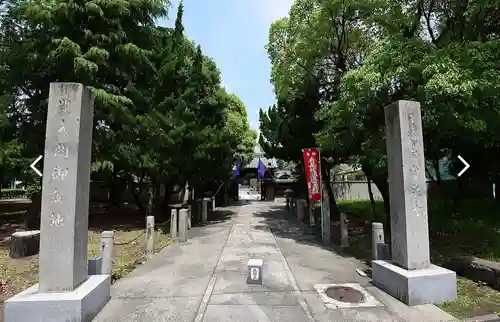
pixel 271 163
pixel 268 163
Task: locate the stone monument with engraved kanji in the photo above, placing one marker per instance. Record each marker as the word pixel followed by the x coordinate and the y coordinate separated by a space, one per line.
pixel 409 276
pixel 65 291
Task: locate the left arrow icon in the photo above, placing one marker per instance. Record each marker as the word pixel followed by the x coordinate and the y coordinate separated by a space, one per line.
pixel 32 166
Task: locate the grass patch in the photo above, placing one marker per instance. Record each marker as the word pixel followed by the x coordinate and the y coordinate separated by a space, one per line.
pixel 466 227
pixel 18 274
pixel 127 222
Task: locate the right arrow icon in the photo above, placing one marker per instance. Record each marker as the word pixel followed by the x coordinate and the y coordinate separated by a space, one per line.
pixel 467 166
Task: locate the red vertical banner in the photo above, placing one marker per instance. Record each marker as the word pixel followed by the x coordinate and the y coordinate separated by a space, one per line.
pixel 313 173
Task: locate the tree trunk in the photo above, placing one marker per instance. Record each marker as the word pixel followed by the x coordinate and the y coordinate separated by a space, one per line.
pixel 149 209
pixel 334 208
pixel 137 197
pixel 383 186
pixel 157 200
pixel 32 215
pixel 137 194
pixel 372 200
pixel 116 190
pixel 24 243
pixel 1 182
pixel 438 172
pixel 497 189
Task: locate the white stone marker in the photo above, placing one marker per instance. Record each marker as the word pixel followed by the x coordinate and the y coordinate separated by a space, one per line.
pixel 377 238
pixel 183 215
pixel 64 281
pixel 107 246
pixel 410 277
pixel 150 236
pixel 204 211
pixel 344 230
pixel 173 223
pixel 255 269
pixel 300 209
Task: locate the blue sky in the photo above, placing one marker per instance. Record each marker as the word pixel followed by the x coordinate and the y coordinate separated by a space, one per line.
pixel 234 33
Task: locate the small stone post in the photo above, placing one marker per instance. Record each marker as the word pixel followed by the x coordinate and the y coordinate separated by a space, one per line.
pixel 344 230
pixel 189 216
pixel 310 208
pixel 107 245
pixel 183 214
pixel 173 223
pixel 377 238
pixel 410 277
pixel 150 236
pixel 204 211
pixel 325 217
pixel 300 209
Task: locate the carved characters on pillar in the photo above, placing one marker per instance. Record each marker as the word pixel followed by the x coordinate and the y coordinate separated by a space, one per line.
pixel 58 173
pixel 62 127
pixel 56 197
pixel 56 220
pixel 415 147
pixel 61 151
pixel 63 106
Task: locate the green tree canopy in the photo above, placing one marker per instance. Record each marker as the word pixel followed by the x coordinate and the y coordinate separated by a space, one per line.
pixel 344 61
pixel 161 114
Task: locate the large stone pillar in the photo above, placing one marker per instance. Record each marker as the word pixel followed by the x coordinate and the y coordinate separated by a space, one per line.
pixel 65 288
pixel 410 277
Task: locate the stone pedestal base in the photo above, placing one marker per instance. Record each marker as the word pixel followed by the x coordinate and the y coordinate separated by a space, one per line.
pixel 433 285
pixel 80 305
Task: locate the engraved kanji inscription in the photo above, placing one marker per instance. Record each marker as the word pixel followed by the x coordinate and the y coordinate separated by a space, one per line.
pixel 62 128
pixel 56 197
pixel 61 150
pixel 414 171
pixel 412 137
pixel 58 173
pixel 254 276
pixel 417 206
pixel 56 220
pixel 63 105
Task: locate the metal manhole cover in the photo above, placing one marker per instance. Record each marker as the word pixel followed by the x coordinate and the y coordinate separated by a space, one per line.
pixel 345 294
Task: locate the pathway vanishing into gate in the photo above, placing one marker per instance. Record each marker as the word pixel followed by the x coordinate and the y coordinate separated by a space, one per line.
pixel 205 278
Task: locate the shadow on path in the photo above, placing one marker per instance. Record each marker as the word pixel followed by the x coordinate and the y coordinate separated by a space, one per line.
pixel 283 225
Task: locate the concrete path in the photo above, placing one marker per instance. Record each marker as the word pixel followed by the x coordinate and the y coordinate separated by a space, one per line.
pixel 205 279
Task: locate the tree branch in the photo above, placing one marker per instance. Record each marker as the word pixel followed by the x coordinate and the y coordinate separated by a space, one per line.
pixel 427 17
